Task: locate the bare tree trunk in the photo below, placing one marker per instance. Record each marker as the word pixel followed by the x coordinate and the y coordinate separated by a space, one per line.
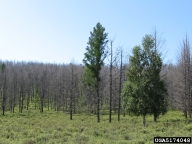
pixel 48 100
pixel 14 92
pixel 55 102
pixel 28 99
pixel 144 121
pixel 22 100
pixel 110 96
pixel 124 79
pixel 4 100
pixel 183 97
pixel 71 93
pixel 4 88
pixel 98 101
pixel 11 103
pixel 51 103
pixel 120 85
pixel 155 117
pixel 74 103
pixel 190 103
pixel 14 102
pixel 41 101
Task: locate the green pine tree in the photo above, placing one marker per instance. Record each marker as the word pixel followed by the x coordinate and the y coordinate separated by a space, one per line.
pixel 94 60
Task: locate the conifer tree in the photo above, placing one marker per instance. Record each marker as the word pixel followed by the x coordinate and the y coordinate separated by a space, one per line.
pixel 144 92
pixel 156 86
pixel 94 60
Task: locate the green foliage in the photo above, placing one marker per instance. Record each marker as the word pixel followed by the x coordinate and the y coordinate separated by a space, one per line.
pixel 3 66
pixel 88 78
pixel 55 127
pixel 134 95
pixel 144 91
pixel 34 102
pixel 156 87
pixel 95 55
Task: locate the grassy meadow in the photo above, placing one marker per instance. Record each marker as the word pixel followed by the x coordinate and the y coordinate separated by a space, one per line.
pixel 31 127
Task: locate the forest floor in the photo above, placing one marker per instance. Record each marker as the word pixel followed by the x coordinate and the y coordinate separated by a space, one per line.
pixel 31 127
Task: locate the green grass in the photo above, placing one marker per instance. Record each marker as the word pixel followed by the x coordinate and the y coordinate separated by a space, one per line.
pixel 51 127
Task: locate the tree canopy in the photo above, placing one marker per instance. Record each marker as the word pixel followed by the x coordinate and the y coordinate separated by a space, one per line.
pixel 94 59
pixel 144 91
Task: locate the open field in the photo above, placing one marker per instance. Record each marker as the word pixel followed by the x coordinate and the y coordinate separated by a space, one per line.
pixel 51 127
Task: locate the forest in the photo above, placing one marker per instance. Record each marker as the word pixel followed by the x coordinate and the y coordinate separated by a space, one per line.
pixel 111 85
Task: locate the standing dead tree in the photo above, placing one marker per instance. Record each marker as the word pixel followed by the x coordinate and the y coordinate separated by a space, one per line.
pixel 4 87
pixel 184 79
pixel 71 90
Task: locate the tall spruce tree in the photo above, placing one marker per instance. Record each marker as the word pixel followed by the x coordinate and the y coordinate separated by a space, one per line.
pixel 94 60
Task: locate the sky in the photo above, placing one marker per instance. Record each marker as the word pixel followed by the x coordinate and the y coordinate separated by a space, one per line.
pixel 57 31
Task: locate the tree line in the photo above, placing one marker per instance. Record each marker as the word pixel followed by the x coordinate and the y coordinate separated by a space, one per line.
pixel 108 80
pixel 26 85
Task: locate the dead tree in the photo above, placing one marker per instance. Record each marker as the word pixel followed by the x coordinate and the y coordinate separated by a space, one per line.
pixel 3 67
pixel 120 86
pixel 183 78
pixel 110 95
